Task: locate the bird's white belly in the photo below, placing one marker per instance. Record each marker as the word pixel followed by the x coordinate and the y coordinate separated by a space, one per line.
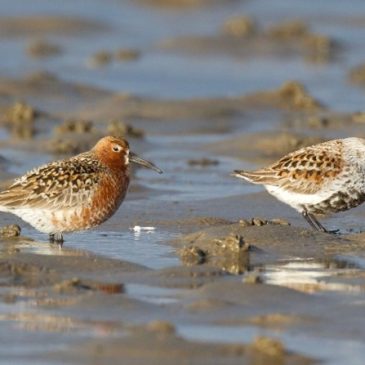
pixel 297 200
pixel 45 220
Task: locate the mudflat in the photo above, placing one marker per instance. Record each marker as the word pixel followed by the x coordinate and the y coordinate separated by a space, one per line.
pixel 196 266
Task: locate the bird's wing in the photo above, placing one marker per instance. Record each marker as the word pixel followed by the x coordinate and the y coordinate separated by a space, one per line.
pixel 304 171
pixel 66 184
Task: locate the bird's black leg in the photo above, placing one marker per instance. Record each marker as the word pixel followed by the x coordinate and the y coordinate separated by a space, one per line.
pixel 58 238
pixel 314 223
pixel 308 218
pixel 319 225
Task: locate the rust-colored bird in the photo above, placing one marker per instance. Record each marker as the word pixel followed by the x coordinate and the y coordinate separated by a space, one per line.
pixel 76 193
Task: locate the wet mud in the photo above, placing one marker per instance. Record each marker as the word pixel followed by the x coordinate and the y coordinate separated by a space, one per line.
pixel 38 25
pixel 196 266
pixel 243 38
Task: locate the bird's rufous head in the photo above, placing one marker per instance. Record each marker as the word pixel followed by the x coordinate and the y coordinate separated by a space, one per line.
pixel 114 152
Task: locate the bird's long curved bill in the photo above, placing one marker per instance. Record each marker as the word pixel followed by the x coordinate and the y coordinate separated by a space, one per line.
pixel 140 161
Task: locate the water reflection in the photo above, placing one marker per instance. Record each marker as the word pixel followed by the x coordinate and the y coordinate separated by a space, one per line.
pixel 312 276
pixel 142 247
pixel 153 294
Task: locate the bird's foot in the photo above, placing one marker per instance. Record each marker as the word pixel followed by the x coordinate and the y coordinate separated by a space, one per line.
pixel 334 231
pixel 320 228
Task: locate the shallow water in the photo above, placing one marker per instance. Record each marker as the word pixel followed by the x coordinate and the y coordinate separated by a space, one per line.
pixel 162 75
pixel 146 248
pixel 331 351
pixel 165 75
pixel 310 276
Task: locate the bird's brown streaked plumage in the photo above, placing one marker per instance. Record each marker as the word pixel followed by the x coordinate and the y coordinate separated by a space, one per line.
pixel 327 177
pixel 59 184
pixel 76 193
pixel 303 171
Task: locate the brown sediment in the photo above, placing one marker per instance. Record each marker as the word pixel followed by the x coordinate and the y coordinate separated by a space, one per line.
pixel 164 348
pixel 179 4
pixel 276 320
pixel 263 146
pixel 292 29
pixel 71 143
pixel 320 48
pixel 239 26
pixel 318 122
pixel 230 254
pixel 20 120
pixel 75 284
pixel 12 230
pixel 73 136
pixel 161 327
pixel 38 25
pixel 291 96
pixel 269 348
pixel 192 255
pixel 118 128
pixel 358 117
pixel 49 94
pixel 42 49
pixel 296 95
pixel 243 38
pixel 203 162
pixel 103 58
pixel 127 54
pixel 75 126
pixel 186 223
pixel 228 257
pixel 271 237
pixel 100 59
pixel 357 74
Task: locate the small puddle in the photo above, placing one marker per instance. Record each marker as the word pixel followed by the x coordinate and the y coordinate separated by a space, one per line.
pixel 145 248
pixel 311 276
pixel 153 294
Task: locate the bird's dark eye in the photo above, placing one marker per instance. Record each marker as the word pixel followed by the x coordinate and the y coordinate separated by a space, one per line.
pixel 117 148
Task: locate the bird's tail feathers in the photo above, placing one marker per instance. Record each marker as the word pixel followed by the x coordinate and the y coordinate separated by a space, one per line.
pixel 4 209
pixel 262 177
